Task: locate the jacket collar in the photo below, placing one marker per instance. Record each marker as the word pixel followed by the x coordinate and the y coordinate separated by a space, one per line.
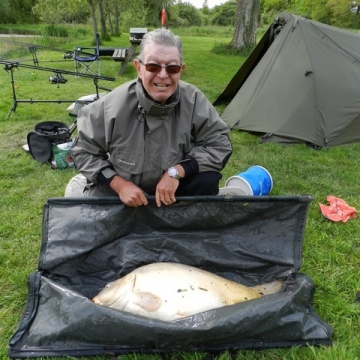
pixel 152 107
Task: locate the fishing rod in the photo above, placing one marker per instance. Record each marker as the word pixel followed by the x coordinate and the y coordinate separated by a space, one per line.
pixel 33 45
pixel 68 54
pixel 57 78
pixel 15 64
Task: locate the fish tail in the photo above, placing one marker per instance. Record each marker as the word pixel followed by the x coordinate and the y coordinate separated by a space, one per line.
pixel 269 288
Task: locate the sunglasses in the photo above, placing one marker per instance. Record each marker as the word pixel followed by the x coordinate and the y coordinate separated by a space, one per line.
pixel 156 68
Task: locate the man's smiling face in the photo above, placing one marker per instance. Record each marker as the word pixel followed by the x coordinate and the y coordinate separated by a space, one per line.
pixel 160 86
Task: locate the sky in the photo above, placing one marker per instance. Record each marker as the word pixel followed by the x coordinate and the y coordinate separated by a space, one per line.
pixel 199 3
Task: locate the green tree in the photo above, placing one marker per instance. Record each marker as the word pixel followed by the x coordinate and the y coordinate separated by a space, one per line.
pixel 315 10
pixel 205 8
pixel 279 5
pixel 50 11
pixel 92 9
pixel 173 16
pixel 5 18
pixel 112 9
pixel 341 14
pixel 189 14
pixel 61 11
pixel 246 23
pixel 224 15
pixel 153 9
pixel 270 8
pixel 134 14
pixel 17 11
pixel 102 18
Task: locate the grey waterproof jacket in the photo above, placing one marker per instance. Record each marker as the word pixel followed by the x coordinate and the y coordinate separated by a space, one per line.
pixel 128 134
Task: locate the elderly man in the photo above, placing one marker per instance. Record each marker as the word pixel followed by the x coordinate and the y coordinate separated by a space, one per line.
pixel 154 135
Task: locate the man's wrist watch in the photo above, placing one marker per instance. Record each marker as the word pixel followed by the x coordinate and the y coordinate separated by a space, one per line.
pixel 174 173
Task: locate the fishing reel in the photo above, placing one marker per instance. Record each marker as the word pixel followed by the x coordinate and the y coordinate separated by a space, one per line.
pixel 68 55
pixel 57 79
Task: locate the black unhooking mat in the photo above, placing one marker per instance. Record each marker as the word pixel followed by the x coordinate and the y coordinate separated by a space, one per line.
pixel 88 242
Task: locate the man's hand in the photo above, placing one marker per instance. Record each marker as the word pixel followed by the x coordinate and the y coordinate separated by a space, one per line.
pixel 167 186
pixel 129 193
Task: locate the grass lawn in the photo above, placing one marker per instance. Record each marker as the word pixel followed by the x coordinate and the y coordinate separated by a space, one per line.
pixel 331 250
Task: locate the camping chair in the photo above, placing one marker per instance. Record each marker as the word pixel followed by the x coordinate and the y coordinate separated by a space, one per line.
pixel 84 60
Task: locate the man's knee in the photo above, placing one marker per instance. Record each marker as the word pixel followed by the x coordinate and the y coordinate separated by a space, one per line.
pixel 75 187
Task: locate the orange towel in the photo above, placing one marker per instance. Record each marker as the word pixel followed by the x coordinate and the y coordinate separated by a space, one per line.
pixel 338 210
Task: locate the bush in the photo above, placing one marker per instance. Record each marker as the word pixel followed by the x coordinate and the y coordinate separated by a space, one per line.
pixel 221 48
pixel 55 30
pixel 18 30
pixel 203 30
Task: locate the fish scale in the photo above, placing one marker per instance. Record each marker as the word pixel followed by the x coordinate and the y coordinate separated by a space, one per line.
pixel 170 291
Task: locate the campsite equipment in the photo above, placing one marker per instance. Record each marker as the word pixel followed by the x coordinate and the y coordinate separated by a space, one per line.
pixel 55 132
pixel 44 135
pixel 126 55
pixel 11 65
pixel 62 158
pixel 256 180
pixel 300 84
pixel 231 191
pixel 57 79
pixel 88 242
pixel 33 49
pixel 77 105
pixel 85 58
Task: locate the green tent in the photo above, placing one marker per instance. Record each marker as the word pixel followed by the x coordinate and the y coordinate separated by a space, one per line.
pixel 300 84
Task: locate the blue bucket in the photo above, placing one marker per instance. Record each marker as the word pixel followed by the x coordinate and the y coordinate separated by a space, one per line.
pixel 256 181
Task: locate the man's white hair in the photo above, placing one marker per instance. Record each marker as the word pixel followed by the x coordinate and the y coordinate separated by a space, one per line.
pixel 161 37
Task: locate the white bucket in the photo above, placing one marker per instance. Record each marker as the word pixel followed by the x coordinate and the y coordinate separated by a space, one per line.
pixel 256 181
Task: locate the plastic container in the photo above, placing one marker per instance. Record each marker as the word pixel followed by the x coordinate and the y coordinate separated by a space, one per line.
pixel 255 181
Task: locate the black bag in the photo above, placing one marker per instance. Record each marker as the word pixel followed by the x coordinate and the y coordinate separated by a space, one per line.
pixel 44 135
pixel 88 242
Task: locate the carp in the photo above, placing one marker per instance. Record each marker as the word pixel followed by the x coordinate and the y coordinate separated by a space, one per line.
pixel 170 291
